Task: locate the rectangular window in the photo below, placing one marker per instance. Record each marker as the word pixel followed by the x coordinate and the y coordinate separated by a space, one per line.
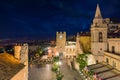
pixel 114 63
pixel 113 49
pixel 107 60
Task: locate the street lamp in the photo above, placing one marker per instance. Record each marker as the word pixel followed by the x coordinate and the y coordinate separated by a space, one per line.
pixel 57 54
pixel 59 63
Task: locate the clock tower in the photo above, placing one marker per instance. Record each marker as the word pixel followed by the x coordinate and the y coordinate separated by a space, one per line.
pixel 60 41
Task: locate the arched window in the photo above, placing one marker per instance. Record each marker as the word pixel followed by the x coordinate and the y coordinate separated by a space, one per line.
pixel 108 47
pixel 100 37
pixel 107 60
pixel 113 49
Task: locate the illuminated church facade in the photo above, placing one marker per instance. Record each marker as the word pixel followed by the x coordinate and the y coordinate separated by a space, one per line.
pixel 105 40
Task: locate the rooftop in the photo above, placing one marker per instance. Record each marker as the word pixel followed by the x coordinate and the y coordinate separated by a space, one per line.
pixel 9 66
pixel 105 71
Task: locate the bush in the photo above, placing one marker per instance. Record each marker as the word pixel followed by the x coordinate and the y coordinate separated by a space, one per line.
pixel 55 68
pixel 55 59
pixel 59 76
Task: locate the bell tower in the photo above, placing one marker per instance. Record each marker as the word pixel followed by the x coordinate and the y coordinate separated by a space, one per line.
pixel 98 36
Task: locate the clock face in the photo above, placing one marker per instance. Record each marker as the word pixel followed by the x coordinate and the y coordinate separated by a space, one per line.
pixel 60 36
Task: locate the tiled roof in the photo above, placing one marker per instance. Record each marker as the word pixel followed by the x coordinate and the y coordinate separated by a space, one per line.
pixel 9 66
pixel 114 35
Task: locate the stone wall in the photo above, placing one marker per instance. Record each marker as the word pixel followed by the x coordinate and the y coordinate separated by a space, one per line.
pixel 114 42
pixel 111 56
pixel 21 53
pixel 76 66
pixel 21 75
pixel 85 43
pixel 112 59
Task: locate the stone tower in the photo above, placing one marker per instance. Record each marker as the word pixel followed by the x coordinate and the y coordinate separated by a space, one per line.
pixel 78 46
pixel 98 36
pixel 21 53
pixel 17 49
pixel 61 41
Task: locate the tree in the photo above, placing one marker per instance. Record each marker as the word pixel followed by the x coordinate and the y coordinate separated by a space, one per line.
pixel 55 59
pixel 59 76
pixel 82 60
pixel 40 51
pixel 55 68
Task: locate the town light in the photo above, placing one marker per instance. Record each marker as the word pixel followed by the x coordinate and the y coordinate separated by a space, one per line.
pixel 57 54
pixel 59 63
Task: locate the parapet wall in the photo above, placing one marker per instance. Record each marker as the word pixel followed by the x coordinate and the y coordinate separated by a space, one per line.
pixel 21 75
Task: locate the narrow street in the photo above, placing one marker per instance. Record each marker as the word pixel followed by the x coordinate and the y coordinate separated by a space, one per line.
pixel 68 73
pixel 37 72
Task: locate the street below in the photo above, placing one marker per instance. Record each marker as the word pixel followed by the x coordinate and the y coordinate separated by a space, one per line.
pixel 43 72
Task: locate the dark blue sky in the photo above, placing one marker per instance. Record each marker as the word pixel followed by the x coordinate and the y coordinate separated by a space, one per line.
pixel 42 18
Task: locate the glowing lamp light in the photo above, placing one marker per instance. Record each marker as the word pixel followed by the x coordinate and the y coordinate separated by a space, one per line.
pixel 59 63
pixel 57 54
pixel 49 50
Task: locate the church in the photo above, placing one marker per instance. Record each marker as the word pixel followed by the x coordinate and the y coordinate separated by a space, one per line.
pixel 105 40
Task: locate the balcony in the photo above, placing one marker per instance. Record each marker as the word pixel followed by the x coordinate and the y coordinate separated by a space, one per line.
pixel 112 55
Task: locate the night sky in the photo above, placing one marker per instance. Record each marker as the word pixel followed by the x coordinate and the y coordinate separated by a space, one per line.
pixel 42 18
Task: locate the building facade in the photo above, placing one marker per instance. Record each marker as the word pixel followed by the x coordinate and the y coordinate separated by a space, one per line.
pixel 69 49
pixel 112 55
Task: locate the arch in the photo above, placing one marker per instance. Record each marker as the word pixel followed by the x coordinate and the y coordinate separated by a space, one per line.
pixel 107 60
pixel 113 49
pixel 100 37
